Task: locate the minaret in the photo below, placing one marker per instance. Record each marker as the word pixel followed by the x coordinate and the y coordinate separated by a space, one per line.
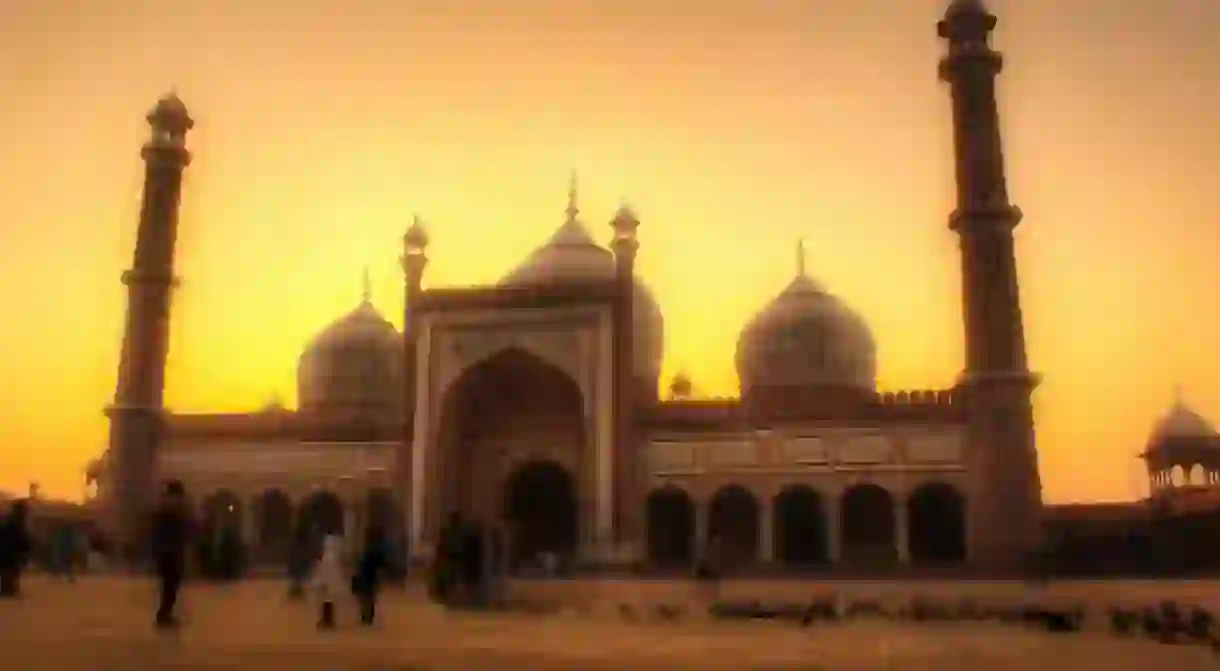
pixel 414 260
pixel 136 415
pixel 626 383
pixel 1005 511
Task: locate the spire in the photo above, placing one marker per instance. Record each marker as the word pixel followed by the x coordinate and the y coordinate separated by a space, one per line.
pixel 572 210
pixel 366 295
pixel 1179 398
pixel 800 257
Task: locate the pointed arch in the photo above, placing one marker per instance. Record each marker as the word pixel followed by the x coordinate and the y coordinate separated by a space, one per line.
pixel 867 522
pixel 800 527
pixel 936 515
pixel 670 515
pixel 733 519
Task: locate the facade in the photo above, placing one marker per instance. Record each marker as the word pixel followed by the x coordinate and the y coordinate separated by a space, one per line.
pixel 1175 531
pixel 534 403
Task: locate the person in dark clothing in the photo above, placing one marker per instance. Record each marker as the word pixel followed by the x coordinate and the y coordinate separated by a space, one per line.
pixel 448 559
pixel 14 549
pixel 472 563
pixel 370 566
pixel 170 540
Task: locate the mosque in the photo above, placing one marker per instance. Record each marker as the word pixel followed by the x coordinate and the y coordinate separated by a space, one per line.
pixel 534 403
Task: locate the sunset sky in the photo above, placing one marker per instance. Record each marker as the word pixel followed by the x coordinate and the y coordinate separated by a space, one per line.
pixel 732 127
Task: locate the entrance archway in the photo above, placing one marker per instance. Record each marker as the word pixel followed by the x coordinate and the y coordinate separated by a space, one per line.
pixel 800 527
pixel 867 526
pixel 670 515
pixel 510 401
pixel 733 521
pixel 540 511
pixel 937 518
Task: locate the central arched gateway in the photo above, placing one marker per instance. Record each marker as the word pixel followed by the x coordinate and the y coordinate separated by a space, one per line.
pixel 540 512
pixel 512 424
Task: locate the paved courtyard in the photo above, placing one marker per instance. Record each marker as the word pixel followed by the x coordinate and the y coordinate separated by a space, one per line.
pixel 101 624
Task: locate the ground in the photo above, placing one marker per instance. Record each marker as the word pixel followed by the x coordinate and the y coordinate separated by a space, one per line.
pixel 100 624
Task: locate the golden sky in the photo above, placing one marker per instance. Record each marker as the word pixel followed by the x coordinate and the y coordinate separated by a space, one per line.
pixel 733 127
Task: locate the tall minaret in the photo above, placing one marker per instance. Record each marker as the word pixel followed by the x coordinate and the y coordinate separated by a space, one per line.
pixel 1005 507
pixel 409 485
pixel 136 415
pixel 626 384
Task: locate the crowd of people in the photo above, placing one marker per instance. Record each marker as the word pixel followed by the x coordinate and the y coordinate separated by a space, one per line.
pixel 171 539
pixel 467 568
pixel 469 564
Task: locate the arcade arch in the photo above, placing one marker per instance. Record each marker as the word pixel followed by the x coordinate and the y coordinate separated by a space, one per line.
pixel 670 527
pixel 936 515
pixel 733 522
pixel 867 523
pixel 322 513
pixel 800 527
pixel 273 514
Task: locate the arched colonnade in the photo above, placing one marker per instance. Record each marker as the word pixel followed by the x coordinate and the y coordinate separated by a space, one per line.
pixel 866 525
pixel 264 524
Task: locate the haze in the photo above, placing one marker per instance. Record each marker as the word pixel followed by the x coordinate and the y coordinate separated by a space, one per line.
pixel 733 128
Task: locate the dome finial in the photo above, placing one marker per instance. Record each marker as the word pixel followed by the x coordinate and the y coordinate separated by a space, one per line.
pixel 366 294
pixel 572 210
pixel 1179 398
pixel 800 257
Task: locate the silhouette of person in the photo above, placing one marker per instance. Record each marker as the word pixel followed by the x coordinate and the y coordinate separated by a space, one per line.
pixel 472 566
pixel 170 539
pixel 14 549
pixel 328 579
pixel 366 582
pixel 448 560
pixel 494 563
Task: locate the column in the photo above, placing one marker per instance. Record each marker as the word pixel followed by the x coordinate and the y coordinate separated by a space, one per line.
pixel 766 524
pixel 249 524
pixel 351 526
pixel 901 529
pixel 834 543
pixel 700 528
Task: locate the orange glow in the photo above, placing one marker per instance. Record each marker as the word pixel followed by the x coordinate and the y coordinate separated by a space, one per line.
pixel 733 128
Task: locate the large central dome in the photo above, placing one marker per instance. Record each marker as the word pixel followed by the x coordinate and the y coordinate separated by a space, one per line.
pixel 809 338
pixel 572 256
pixel 355 364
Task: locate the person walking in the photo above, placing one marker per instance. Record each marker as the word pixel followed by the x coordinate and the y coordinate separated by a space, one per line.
pixel 366 582
pixel 447 562
pixel 171 532
pixel 328 579
pixel 14 549
pixel 472 564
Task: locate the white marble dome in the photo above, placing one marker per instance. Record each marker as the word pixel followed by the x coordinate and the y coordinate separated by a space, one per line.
pixel 356 363
pixel 806 337
pixel 573 256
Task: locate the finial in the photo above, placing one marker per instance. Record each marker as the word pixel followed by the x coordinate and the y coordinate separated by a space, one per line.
pixel 800 257
pixel 572 210
pixel 1179 399
pixel 367 291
